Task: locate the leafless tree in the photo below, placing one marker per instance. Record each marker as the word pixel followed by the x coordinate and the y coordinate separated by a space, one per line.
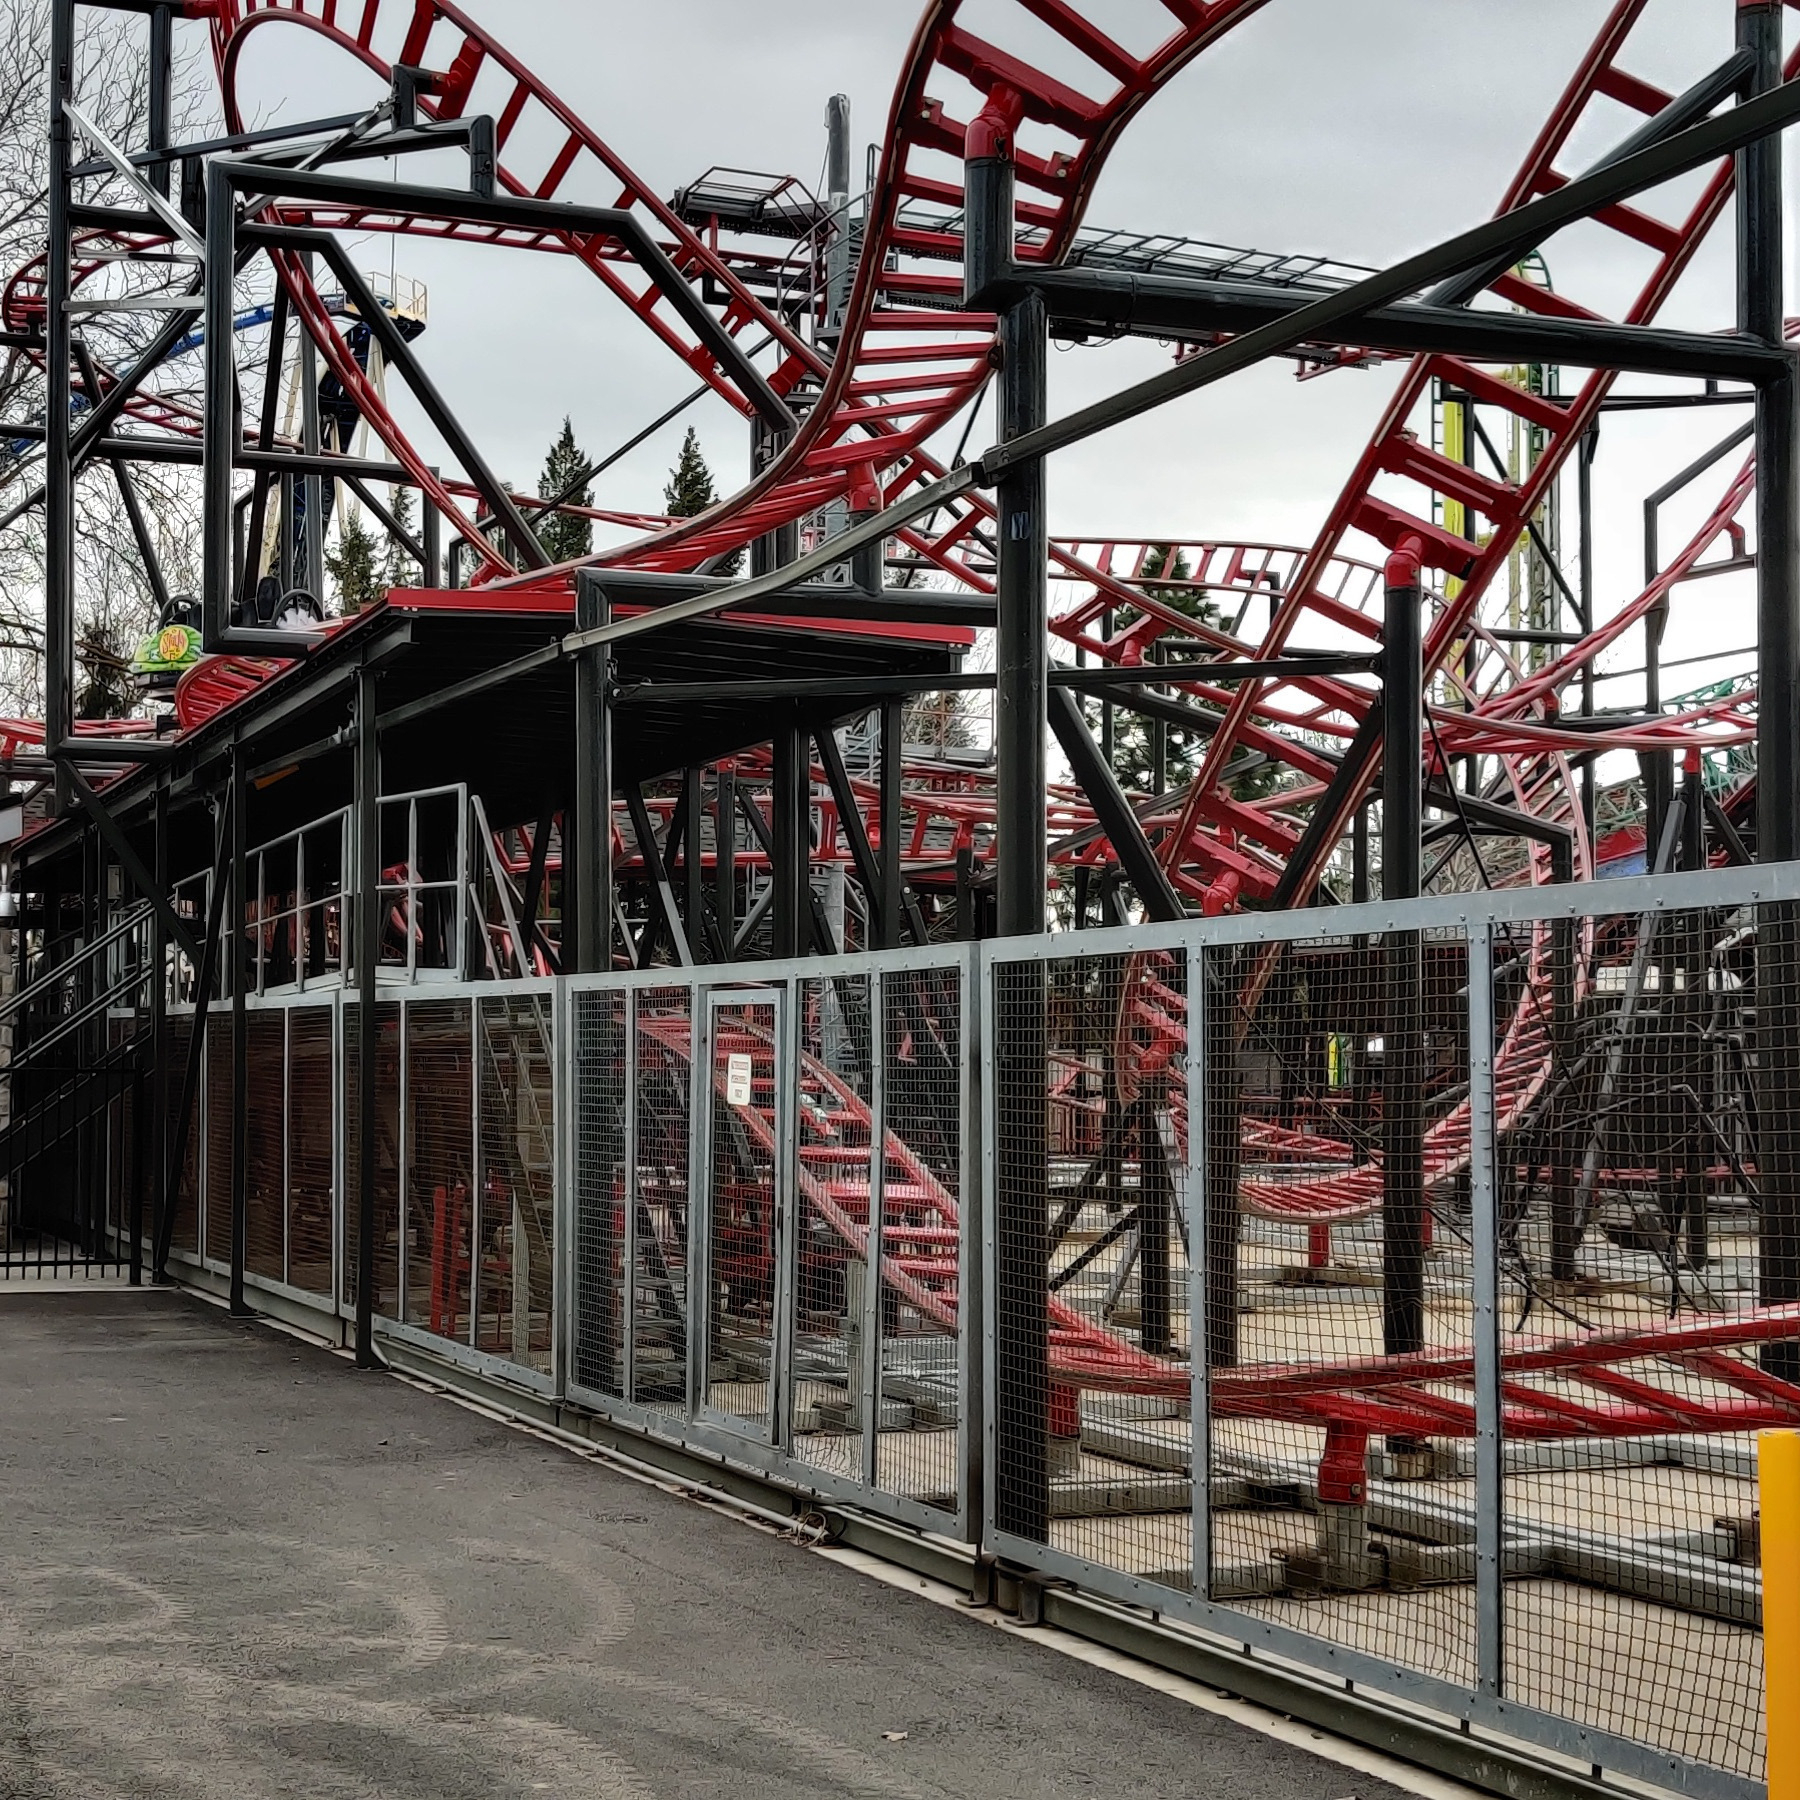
pixel 114 598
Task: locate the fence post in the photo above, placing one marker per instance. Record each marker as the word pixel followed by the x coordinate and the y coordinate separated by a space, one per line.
pixel 1202 1087
pixel 1778 1481
pixel 1484 1231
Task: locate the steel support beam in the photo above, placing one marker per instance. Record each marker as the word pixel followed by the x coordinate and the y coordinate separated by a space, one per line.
pixel 558 217
pixel 893 771
pixel 1760 316
pixel 1022 658
pixel 1508 237
pixel 790 862
pixel 1113 810
pixel 869 869
pixel 1403 1050
pixel 59 478
pixel 1105 303
pixel 190 1080
pixel 587 849
pixel 141 878
pixel 223 429
pixel 239 966
pixel 368 949
pixel 693 883
pixel 725 857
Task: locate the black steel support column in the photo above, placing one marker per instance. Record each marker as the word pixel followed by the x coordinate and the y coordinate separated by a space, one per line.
pixel 1156 1198
pixel 159 1018
pixel 1761 296
pixel 1565 1122
pixel 59 481
pixel 777 548
pixel 1022 648
pixel 1020 1328
pixel 221 408
pixel 161 75
pixel 1214 980
pixel 431 537
pixel 1692 1046
pixel 1021 1251
pixel 239 967
pixel 693 878
pixel 1022 587
pixel 791 863
pixel 725 856
pixel 1761 303
pixel 587 826
pixel 190 1080
pixel 1403 1058
pixel 890 907
pixel 367 939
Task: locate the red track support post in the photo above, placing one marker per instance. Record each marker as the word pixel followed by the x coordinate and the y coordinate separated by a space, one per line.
pixel 1403 1059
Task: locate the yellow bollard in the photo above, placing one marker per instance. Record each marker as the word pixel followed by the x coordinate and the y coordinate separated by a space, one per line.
pixel 1778 1482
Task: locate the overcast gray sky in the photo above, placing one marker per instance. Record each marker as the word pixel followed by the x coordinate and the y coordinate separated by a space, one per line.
pixel 1358 129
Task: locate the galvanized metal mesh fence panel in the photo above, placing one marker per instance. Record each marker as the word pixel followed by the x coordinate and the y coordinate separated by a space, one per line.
pixel 265 1244
pixel 925 1120
pixel 216 1191
pixel 440 1166
pixel 835 1215
pixel 311 1167
pixel 1339 1230
pixel 185 1227
pixel 742 1172
pixel 515 1237
pixel 602 1191
pixel 386 1300
pixel 1019 1251
pixel 1632 1243
pixel 1117 1427
pixel 661 1098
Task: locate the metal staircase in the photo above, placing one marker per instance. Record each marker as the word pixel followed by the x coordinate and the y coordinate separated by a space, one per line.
pixel 80 1039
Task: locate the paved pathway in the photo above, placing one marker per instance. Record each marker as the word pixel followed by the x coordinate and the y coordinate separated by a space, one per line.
pixel 231 1568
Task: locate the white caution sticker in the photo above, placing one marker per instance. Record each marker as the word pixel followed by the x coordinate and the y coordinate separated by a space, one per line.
pixel 737 1079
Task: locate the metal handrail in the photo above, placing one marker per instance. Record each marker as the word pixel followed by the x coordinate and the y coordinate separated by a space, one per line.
pixel 97 1006
pixel 13 1002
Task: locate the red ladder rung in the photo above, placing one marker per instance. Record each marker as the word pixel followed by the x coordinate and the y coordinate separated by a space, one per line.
pixel 1628 90
pixel 1093 43
pixel 565 160
pixel 509 114
pixel 1490 388
pixel 1443 475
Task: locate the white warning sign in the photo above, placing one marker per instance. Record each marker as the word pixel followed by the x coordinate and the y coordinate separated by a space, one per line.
pixel 737 1080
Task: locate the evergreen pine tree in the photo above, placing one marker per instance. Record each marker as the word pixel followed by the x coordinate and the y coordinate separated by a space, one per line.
pixel 401 570
pixel 1134 736
pixel 565 536
pixel 353 565
pixel 691 491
